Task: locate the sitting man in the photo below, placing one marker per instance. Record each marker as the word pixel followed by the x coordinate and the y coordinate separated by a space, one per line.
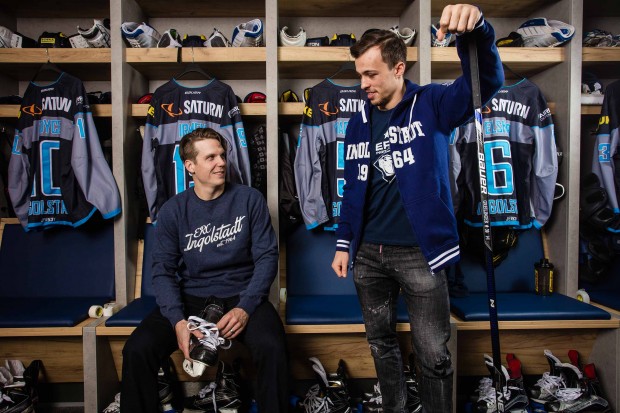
pixel 212 240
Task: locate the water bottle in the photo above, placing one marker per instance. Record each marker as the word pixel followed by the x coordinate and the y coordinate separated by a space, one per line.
pixel 543 272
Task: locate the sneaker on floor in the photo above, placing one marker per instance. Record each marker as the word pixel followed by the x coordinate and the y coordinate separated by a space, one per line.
pixel 222 395
pixel 204 351
pixel 140 35
pixel 406 34
pixel 249 34
pixel 217 39
pixel 540 32
pixel 115 406
pixel 170 39
pixel 98 35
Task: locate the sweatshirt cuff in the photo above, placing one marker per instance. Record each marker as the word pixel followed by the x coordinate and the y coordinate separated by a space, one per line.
pixel 174 317
pixel 249 303
pixel 343 245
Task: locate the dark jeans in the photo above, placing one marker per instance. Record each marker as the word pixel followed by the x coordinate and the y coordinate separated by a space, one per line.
pixel 154 340
pixel 381 271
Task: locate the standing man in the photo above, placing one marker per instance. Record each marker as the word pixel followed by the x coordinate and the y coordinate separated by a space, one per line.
pixel 397 230
pixel 213 239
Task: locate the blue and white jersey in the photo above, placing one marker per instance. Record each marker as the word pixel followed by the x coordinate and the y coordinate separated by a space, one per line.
pixel 606 154
pixel 520 157
pixel 57 173
pixel 319 163
pixel 175 111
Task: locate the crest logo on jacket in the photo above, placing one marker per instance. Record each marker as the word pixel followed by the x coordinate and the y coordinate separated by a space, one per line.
pixel 385 165
pixel 169 109
pixel 324 107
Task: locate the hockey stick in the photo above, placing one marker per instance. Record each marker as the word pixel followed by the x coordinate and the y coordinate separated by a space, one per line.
pixel 498 379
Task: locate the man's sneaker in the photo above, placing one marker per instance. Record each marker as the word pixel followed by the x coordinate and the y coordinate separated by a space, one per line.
pixel 287 39
pixel 98 35
pixel 515 399
pixel 514 39
pixel 330 394
pixel 540 32
pixel 220 396
pixel 406 34
pixel 249 34
pixel 544 389
pixel 577 396
pixel 140 35
pixel 217 39
pixel 448 39
pixel 414 404
pixel 170 39
pixel 115 406
pixel 204 351
pixel 373 402
pixel 196 40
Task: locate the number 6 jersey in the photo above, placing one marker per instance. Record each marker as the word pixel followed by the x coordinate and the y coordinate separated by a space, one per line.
pixel 57 172
pixel 175 111
pixel 520 156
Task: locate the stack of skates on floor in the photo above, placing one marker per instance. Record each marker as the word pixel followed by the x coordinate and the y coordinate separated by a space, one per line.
pixel 18 386
pixel 566 387
pixel 331 393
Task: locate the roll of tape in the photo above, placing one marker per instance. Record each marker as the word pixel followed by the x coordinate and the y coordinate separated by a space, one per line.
pixel 109 309
pixel 95 311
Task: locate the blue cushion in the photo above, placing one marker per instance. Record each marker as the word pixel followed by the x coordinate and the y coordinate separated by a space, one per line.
pixel 526 306
pixel 45 311
pixel 138 309
pixel 607 291
pixel 331 309
pixel 133 313
pixel 59 262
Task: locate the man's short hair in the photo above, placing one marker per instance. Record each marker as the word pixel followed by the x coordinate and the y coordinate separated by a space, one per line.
pixel 393 49
pixel 187 149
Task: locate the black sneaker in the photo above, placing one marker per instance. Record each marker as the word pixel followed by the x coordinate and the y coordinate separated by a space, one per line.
pixel 331 393
pixel 414 405
pixel 220 396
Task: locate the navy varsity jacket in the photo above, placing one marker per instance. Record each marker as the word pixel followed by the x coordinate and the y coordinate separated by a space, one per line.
pixel 419 132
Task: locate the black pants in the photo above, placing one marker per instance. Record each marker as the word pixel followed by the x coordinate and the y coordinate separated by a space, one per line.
pixel 154 340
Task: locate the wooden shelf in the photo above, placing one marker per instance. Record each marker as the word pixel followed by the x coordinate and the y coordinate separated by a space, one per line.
pixel 338 8
pixel 602 61
pixel 86 64
pixel 594 110
pixel 494 8
pixel 221 63
pixel 247 109
pixel 203 8
pixel 320 62
pixel 56 8
pixel 526 61
pixel 99 110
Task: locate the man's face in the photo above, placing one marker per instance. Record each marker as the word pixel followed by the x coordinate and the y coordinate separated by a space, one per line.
pixel 381 84
pixel 209 167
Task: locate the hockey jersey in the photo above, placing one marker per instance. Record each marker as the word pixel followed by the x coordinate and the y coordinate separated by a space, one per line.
pixel 57 172
pixel 319 163
pixel 606 160
pixel 175 111
pixel 520 157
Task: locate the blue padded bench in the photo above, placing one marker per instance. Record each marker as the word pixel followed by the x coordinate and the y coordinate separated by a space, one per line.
pixel 51 278
pixel 516 299
pixel 138 309
pixel 607 291
pixel 315 295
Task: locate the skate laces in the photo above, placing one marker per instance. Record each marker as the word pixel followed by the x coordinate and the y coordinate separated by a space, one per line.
pixel 211 335
pixel 209 388
pixel 549 383
pixel 487 394
pixel 313 403
pixel 568 394
pixel 377 398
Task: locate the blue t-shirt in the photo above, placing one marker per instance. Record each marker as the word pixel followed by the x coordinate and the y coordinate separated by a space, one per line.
pixel 386 221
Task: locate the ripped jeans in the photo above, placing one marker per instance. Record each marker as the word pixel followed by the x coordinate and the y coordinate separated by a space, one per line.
pixel 380 272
